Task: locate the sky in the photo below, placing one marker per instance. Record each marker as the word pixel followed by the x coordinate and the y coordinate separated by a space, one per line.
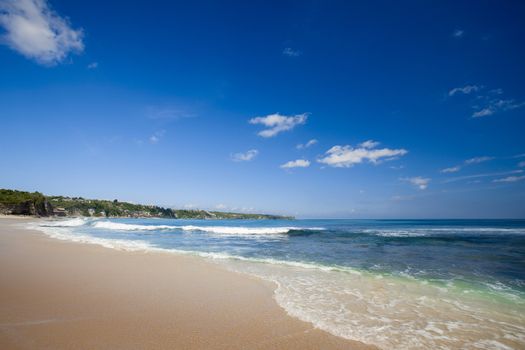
pixel 318 109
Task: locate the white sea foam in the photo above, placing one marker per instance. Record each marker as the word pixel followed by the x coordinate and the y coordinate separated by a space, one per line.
pixel 66 223
pixel 426 232
pixel 477 229
pixel 108 225
pixel 65 234
pixel 270 261
pixel 401 233
pixel 390 312
pixel 239 230
pixel 225 230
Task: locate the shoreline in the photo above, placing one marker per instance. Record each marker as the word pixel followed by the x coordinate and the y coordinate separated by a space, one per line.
pixel 61 294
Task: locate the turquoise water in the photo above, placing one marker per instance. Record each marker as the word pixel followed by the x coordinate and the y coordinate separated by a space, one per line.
pixel 394 283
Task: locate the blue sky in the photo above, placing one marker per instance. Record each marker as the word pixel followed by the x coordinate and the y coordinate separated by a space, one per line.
pixel 349 109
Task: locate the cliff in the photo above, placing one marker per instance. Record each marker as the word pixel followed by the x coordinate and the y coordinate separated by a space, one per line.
pixel 24 203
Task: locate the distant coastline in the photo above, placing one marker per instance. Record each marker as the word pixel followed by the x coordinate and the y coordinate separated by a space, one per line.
pixel 13 202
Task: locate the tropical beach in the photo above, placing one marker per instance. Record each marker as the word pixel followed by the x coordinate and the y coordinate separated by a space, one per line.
pixel 262 175
pixel 60 295
pixel 322 283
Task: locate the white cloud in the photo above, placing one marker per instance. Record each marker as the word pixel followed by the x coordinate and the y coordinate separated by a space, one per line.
pixel 34 30
pixel 369 144
pixel 488 103
pixel 246 156
pixel 467 89
pixel 496 106
pixel 506 105
pixel 306 145
pixel 221 206
pixel 167 113
pixel 288 51
pixel 521 164
pixel 453 169
pixel 277 123
pixel 510 179
pixel 458 33
pixel 475 176
pixel 418 181
pixel 155 138
pixel 477 160
pixel 92 65
pixel 483 113
pixel 474 182
pixel 346 156
pixel 298 163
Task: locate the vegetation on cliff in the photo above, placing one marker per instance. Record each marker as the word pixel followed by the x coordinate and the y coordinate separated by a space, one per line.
pixel 35 203
pixel 24 203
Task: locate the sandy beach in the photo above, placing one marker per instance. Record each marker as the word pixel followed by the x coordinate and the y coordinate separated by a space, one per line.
pixel 61 295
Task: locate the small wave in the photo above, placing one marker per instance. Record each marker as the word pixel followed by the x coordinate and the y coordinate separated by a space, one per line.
pixel 477 230
pixel 429 232
pixel 240 230
pixel 400 234
pixel 108 225
pixel 305 231
pixel 270 261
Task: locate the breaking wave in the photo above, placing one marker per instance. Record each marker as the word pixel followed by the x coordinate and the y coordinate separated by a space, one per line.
pixel 65 223
pixel 225 230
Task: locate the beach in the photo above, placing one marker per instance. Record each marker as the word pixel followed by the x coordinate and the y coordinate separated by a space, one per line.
pixel 262 175
pixel 62 295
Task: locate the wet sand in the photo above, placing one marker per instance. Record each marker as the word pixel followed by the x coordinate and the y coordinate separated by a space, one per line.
pixel 62 295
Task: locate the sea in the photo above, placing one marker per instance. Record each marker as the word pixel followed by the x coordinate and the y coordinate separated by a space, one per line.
pixel 397 284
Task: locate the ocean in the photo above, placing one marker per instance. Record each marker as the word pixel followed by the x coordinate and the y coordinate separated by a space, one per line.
pixel 397 284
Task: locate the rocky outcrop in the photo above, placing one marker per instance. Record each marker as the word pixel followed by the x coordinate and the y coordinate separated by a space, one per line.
pixel 29 207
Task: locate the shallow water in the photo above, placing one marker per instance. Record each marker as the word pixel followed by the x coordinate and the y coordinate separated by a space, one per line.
pixel 403 284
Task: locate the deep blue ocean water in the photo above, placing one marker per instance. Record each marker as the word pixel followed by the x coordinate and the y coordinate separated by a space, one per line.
pixel 420 283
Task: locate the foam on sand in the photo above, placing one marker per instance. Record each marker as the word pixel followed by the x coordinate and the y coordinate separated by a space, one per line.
pixel 391 312
pixel 65 233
